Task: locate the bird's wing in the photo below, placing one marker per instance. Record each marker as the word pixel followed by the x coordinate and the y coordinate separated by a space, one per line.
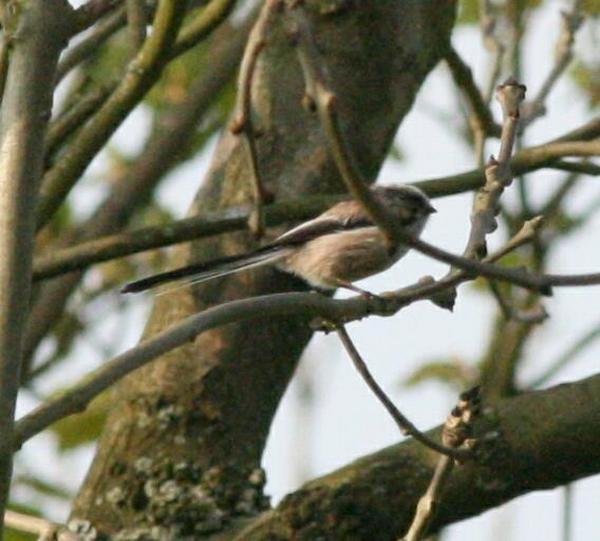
pixel 344 216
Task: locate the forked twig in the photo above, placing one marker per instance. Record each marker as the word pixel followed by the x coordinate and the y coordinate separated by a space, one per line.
pixel 242 123
pixel 456 433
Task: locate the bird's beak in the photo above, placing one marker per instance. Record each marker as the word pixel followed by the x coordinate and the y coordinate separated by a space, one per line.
pixel 431 209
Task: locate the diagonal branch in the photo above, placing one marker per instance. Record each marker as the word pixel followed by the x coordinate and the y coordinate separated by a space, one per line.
pixel 319 95
pixel 403 423
pixel 141 74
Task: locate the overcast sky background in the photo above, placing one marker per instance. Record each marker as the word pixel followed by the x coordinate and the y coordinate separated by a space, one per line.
pixel 346 421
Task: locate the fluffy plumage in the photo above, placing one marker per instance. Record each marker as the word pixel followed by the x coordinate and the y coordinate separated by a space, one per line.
pixel 338 247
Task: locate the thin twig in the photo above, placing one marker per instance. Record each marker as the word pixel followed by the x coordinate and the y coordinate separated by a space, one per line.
pixel 567 506
pixel 404 424
pixel 87 14
pixel 242 120
pixel 488 22
pixel 570 23
pixel 462 75
pixel 142 72
pixel 537 314
pixel 89 45
pixel 566 357
pixel 128 243
pixel 43 28
pixel 160 153
pixel 4 50
pixel 201 25
pixel 73 118
pixel 319 95
pixel 45 529
pixel 456 433
pixel 83 255
pixel 583 167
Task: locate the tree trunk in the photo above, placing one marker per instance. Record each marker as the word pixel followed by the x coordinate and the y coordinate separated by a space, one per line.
pixel 180 454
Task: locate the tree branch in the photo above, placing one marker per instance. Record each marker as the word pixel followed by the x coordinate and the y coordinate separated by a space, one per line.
pixel 570 23
pixel 319 94
pixel 135 186
pixel 104 249
pixel 41 31
pixel 142 72
pixel 533 442
pixel 456 433
pixel 242 123
pixel 403 423
pixel 45 529
pixel 86 47
pixel 83 255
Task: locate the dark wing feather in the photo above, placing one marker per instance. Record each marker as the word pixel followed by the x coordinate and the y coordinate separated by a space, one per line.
pixel 344 216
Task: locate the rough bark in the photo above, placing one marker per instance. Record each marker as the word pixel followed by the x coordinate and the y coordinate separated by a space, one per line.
pixel 534 441
pixel 38 32
pixel 181 451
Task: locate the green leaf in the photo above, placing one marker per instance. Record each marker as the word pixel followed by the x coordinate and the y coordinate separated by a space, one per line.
pixel 587 78
pixel 454 372
pixel 591 7
pixel 468 12
pixel 85 427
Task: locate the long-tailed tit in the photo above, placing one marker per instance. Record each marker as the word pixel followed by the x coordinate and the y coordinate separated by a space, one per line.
pixel 333 250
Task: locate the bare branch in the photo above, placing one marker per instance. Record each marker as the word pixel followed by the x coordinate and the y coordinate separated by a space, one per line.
pixel 524 161
pixel 488 22
pixel 87 14
pixel 72 119
pixel 570 23
pixel 308 304
pixel 201 26
pixel 45 529
pixel 128 243
pixel 498 173
pixel 4 49
pixel 319 95
pixel 583 167
pixel 537 314
pixel 161 152
pixel 456 433
pixel 481 116
pixel 88 46
pixel 83 255
pixel 141 74
pixel 566 357
pixel 43 27
pixel 567 506
pixel 404 424
pixel 242 119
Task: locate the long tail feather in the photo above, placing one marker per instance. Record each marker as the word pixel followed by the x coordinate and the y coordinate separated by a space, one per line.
pixel 200 272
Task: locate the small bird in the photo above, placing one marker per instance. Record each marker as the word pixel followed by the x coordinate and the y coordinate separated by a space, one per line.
pixel 333 250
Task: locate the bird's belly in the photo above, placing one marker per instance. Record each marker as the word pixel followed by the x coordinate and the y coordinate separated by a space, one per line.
pixel 332 259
